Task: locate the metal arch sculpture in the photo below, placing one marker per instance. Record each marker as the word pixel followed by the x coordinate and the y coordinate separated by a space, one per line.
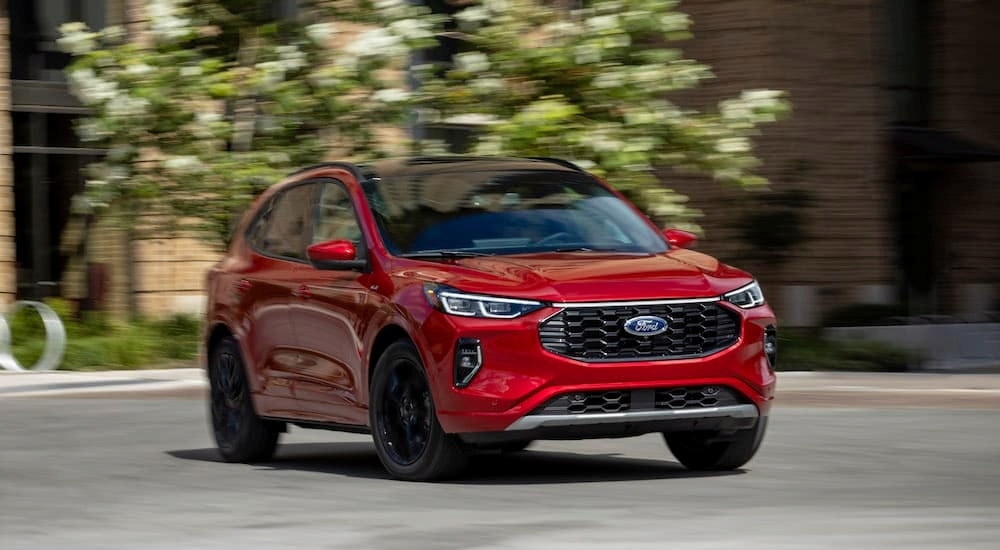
pixel 55 338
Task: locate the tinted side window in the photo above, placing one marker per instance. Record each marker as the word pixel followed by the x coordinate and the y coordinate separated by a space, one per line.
pixel 335 217
pixel 282 228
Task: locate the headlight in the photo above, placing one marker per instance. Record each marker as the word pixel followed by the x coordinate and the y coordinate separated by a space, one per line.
pixel 746 297
pixel 455 302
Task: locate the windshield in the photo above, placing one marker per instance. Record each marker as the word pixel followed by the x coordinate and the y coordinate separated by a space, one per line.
pixel 475 213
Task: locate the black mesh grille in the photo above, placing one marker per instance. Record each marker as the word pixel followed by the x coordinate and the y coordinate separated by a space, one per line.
pixel 597 333
pixel 641 400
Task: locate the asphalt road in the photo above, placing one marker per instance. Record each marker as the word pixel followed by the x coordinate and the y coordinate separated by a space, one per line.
pixel 112 473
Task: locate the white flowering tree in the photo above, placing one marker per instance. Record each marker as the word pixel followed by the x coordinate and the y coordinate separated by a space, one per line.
pixel 591 84
pixel 219 99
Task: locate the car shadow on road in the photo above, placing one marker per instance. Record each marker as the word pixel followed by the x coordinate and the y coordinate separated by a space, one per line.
pixel 522 468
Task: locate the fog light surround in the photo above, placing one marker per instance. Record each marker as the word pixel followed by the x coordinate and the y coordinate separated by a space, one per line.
pixel 771 345
pixel 468 361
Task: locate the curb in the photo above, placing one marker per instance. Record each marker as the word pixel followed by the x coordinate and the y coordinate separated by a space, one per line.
pixel 179 382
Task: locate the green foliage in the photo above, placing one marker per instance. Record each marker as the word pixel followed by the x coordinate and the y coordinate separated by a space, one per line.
pixel 222 99
pixel 592 85
pixel 805 351
pixel 94 343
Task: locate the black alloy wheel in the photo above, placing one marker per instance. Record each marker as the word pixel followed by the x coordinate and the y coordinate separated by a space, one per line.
pixel 405 415
pixel 409 441
pixel 240 434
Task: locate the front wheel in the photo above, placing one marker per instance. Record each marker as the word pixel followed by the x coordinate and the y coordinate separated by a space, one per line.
pixel 709 451
pixel 240 434
pixel 409 441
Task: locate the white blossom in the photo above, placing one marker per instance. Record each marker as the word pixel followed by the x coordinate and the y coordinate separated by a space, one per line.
pixel 487 84
pixel 272 73
pixel 91 130
pixel 90 88
pixel 733 145
pixel 190 71
pixel 76 38
pixel 320 33
pixel 490 146
pixel 291 57
pixel 391 95
pixel 377 42
pixel 472 119
pixel 138 69
pixel 601 23
pixel 676 21
pixel 471 18
pixel 586 54
pixel 392 8
pixel 207 117
pixel 612 79
pixel 167 20
pixel 472 62
pixel 412 29
pixel 114 33
pixel 497 6
pixel 126 106
pixel 184 164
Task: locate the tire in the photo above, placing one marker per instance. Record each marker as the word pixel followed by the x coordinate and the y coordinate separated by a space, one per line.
pixel 706 451
pixel 408 438
pixel 240 434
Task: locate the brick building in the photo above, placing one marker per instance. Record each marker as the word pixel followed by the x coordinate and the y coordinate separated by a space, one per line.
pixel 893 145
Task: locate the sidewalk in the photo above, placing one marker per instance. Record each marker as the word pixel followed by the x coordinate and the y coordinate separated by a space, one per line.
pixel 176 382
pixel 794 388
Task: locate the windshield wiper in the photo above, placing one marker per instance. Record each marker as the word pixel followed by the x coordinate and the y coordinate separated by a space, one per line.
pixel 445 254
pixel 588 249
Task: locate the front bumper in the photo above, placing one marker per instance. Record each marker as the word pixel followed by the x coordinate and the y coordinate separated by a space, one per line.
pixel 536 421
pixel 518 377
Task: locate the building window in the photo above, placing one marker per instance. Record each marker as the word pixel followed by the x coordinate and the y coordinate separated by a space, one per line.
pixel 34 30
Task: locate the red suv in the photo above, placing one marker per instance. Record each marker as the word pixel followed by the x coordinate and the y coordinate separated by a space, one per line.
pixel 453 305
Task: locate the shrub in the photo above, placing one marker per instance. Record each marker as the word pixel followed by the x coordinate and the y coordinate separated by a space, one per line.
pixel 864 315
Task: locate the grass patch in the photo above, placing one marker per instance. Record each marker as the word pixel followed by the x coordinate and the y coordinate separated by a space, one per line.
pixel 94 343
pixel 805 350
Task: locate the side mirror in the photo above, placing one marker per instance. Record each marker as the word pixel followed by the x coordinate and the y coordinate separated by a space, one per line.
pixel 678 238
pixel 338 254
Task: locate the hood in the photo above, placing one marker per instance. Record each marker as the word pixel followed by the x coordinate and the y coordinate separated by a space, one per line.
pixel 586 276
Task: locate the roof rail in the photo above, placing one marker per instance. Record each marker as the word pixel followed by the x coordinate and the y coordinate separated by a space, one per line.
pixel 350 167
pixel 560 162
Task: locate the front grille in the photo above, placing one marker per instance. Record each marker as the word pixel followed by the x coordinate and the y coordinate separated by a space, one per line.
pixel 641 400
pixel 694 329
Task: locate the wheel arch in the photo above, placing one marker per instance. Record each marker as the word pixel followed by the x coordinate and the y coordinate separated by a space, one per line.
pixel 386 336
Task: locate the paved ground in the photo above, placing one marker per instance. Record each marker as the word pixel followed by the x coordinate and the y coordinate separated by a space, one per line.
pixel 794 388
pixel 142 473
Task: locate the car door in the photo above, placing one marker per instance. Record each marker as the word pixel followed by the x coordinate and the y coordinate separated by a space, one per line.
pixel 277 239
pixel 330 314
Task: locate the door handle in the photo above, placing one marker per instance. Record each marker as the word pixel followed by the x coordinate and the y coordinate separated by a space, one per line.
pixel 302 292
pixel 243 286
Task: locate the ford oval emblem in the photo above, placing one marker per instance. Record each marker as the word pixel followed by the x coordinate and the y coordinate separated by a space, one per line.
pixel 646 325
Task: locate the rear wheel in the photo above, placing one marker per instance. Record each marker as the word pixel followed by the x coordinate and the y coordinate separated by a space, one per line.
pixel 710 451
pixel 409 441
pixel 240 434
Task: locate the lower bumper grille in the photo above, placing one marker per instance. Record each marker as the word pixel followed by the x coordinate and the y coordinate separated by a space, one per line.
pixel 599 402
